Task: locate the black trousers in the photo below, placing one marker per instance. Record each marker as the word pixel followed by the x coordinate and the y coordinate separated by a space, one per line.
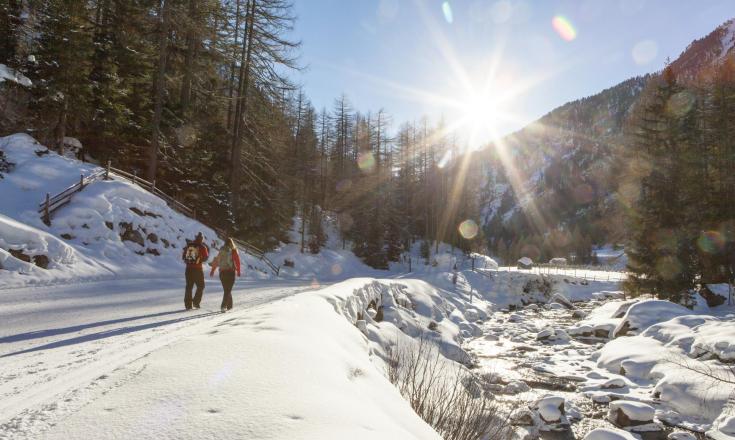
pixel 193 277
pixel 228 280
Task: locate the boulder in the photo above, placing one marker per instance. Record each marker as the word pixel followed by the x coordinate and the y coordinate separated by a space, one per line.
pixel 626 413
pixel 130 234
pixel 714 294
pixel 41 261
pixel 609 434
pixel 17 253
pixel 614 383
pixel 545 334
pixel 550 409
pixel 522 417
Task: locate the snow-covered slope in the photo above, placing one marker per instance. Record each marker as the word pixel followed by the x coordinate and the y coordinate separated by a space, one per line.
pixel 110 229
pixel 308 366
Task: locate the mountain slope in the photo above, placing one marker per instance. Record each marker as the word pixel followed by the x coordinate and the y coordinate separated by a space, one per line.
pixel 551 188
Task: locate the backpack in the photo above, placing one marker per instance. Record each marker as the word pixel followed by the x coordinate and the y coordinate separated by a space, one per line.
pixel 225 259
pixel 191 253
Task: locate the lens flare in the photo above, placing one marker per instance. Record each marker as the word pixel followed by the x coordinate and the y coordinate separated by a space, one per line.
pixel 366 162
pixel 564 28
pixel 680 103
pixel 336 269
pixel 711 242
pixel 668 267
pixel 447 11
pixel 644 52
pixel 468 229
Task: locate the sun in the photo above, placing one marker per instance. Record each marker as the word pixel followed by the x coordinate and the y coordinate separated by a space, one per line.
pixel 480 116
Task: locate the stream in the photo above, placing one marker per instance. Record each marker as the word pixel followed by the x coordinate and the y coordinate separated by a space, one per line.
pixel 523 368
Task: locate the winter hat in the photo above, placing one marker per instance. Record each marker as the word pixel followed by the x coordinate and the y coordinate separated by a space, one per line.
pixel 199 238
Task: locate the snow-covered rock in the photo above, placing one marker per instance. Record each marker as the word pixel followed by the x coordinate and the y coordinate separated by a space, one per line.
pixel 681 435
pixel 723 428
pixel 8 74
pixel 609 434
pixel 644 314
pixel 551 410
pixel 625 413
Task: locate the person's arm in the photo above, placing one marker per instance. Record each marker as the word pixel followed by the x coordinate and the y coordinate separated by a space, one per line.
pixel 236 259
pixel 215 263
pixel 204 253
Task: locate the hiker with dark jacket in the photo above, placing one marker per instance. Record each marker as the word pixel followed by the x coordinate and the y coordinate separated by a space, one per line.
pixel 195 253
pixel 228 262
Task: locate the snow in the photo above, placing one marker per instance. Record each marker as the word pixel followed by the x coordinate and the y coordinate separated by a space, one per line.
pixel 602 320
pixel 727 41
pixel 609 434
pixel 134 374
pixel 97 345
pixel 525 261
pixel 670 354
pixel 84 241
pixel 549 408
pixel 636 411
pixel 8 74
pixel 723 428
pixel 295 373
pixel 643 314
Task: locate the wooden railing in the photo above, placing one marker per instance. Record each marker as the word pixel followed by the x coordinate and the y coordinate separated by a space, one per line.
pixel 52 203
pixel 254 251
pixel 151 187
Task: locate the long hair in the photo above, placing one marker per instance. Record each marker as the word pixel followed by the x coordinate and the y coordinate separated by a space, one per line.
pixel 230 243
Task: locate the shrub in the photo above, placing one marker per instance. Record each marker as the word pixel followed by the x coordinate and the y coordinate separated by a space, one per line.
pixel 456 403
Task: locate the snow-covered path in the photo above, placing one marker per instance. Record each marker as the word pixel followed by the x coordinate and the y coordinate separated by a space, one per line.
pixel 58 344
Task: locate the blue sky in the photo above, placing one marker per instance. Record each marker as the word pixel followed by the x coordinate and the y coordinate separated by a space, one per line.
pixel 502 59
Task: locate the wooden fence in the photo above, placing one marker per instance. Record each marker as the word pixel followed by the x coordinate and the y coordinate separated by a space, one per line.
pixel 53 203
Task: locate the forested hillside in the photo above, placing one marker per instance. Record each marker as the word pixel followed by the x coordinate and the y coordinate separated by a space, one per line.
pixel 196 96
pixel 564 183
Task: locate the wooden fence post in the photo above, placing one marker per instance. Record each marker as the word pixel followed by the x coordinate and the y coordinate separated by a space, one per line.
pixel 46 217
pixel 107 170
pixel 153 186
pixel 81 182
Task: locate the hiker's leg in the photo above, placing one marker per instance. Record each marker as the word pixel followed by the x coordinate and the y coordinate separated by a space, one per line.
pixel 230 282
pixel 199 281
pixel 223 280
pixel 188 288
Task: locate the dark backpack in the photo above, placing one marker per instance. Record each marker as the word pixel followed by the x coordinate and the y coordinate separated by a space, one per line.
pixel 191 253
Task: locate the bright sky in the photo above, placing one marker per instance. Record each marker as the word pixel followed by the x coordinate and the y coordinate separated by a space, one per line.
pixel 488 67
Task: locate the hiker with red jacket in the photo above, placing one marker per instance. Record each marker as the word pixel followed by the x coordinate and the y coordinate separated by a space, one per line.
pixel 195 253
pixel 228 262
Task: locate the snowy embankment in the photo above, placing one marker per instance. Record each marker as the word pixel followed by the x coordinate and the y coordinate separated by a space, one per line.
pixel 110 229
pixel 309 366
pixel 683 358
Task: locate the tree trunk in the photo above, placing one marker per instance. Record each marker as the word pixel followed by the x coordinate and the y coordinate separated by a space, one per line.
pixel 232 67
pixel 241 110
pixel 159 89
pixel 60 129
pixel 191 49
